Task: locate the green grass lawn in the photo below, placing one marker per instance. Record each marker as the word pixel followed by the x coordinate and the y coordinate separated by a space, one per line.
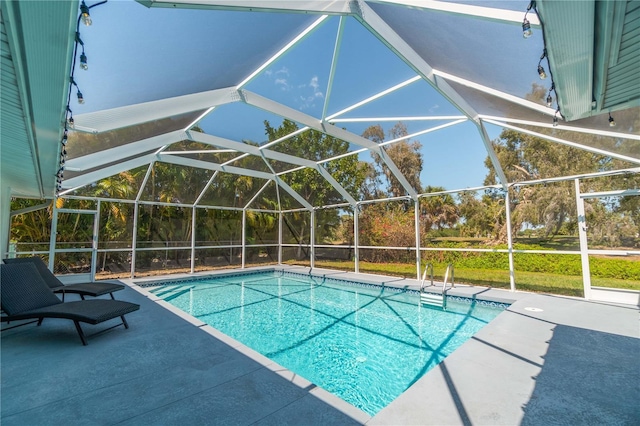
pixel 568 285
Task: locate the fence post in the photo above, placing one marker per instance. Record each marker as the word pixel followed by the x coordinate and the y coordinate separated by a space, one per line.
pixel 507 206
pixel 584 244
pixel 416 214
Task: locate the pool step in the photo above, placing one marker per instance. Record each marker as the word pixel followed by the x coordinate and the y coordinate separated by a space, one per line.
pixel 433 299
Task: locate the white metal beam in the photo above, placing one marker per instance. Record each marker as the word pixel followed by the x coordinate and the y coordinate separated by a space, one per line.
pixel 293 193
pixel 188 162
pixel 282 51
pixel 566 142
pixel 334 65
pixel 400 47
pixel 497 93
pixel 116 118
pixel 481 12
pixel 97 159
pixel 329 129
pixel 424 132
pixel 396 119
pixel 374 97
pixel 329 7
pixel 619 193
pixel 549 125
pixel 95 176
pixel 273 155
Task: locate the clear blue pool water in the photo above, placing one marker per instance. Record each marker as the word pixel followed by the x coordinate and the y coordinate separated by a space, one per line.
pixel 366 344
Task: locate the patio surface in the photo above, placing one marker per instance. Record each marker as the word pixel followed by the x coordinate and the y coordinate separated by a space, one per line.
pixel 575 362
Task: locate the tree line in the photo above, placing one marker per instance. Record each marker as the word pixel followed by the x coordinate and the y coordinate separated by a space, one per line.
pixel 542 210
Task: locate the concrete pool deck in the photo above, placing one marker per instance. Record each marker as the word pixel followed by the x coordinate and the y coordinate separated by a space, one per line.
pixel 573 362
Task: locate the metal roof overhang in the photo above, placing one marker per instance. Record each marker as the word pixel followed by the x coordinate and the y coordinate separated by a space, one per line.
pixel 593 45
pixel 37 45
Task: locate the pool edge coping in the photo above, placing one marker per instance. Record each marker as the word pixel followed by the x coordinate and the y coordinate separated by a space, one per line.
pixel 322 394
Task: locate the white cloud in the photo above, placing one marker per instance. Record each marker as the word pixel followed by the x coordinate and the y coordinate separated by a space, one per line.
pixel 308 100
pixel 283 71
pixel 434 108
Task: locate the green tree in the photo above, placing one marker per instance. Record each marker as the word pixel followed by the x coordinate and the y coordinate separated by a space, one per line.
pixel 437 211
pixel 404 153
pixel 348 171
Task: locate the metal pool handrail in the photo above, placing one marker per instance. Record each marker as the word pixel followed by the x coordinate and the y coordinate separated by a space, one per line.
pixel 446 278
pixel 428 268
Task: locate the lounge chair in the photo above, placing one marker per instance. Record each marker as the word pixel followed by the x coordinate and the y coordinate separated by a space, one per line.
pixel 93 289
pixel 25 295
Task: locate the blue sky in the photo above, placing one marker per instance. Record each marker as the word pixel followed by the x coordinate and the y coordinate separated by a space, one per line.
pixel 138 54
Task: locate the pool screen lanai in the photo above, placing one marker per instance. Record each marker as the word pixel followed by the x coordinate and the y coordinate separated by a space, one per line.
pixel 364 343
pixel 180 85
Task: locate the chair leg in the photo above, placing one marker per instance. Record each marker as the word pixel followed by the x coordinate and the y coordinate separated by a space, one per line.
pixel 124 321
pixel 40 321
pixel 80 333
pixel 111 294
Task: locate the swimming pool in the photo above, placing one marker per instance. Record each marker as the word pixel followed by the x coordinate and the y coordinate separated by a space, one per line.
pixel 364 343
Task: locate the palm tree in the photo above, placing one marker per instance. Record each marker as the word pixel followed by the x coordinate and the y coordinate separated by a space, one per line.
pixel 439 211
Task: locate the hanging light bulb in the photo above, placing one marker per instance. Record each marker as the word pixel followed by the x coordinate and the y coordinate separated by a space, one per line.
pixel 84 11
pixel 71 121
pixel 83 61
pixel 80 97
pixel 526 29
pixel 612 122
pixel 549 100
pixel 541 72
pixel 555 118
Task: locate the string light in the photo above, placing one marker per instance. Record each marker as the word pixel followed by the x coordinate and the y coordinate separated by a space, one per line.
pixel 541 72
pixel 612 122
pixel 84 14
pixel 70 123
pixel 79 93
pixel 83 61
pixel 83 56
pixel 526 29
pixel 526 26
pixel 85 17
